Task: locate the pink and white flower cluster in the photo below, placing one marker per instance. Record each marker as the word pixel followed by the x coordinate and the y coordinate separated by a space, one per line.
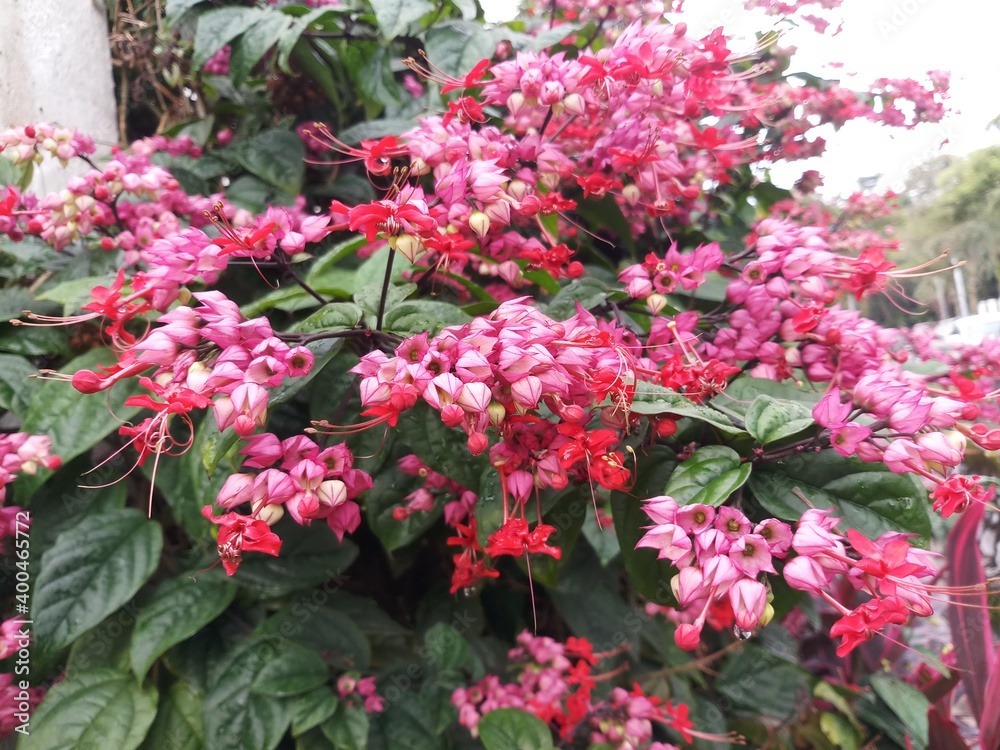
pixel 719 553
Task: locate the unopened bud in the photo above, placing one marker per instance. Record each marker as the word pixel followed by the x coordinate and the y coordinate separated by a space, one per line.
pixel 656 303
pixel 515 102
pixel 419 167
pixel 479 223
pixel 271 514
pixel 407 245
pixel 574 104
pixel 767 616
pixel 497 413
pixel 631 194
pixel 657 88
pixel 517 189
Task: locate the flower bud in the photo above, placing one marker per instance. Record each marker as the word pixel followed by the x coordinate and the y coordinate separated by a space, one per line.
pixel 631 194
pixel 656 303
pixel 271 514
pixel 407 245
pixel 479 223
pixel 497 413
pixel 575 104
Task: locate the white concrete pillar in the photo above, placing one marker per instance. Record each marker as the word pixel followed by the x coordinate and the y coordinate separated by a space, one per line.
pixel 55 66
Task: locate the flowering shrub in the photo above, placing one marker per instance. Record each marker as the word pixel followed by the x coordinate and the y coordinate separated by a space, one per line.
pixel 519 326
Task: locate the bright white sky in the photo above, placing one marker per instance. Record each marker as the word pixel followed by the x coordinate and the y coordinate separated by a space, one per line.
pixel 880 38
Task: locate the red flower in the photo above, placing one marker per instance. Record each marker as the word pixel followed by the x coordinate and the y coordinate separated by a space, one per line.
pixel 865 621
pixel 239 534
pixel 513 538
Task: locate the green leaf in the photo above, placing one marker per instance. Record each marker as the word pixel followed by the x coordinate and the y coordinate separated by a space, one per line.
pixel 375 79
pixel 418 316
pixel 236 718
pixel 64 502
pixel 441 448
pixel 405 725
pixel 309 556
pixel 179 723
pixel 328 261
pixel 275 156
pixel 868 497
pixel 180 608
pixel 91 570
pixel 295 670
pixel 347 729
pixel 651 577
pixel 908 703
pixel 219 27
pixel 254 44
pixel 514 729
pixel 369 296
pixel 74 294
pixel 16 386
pixel 215 445
pixel 92 711
pixel 740 393
pixel 312 621
pixel 456 47
pixel 373 130
pixel 391 487
pixel 312 708
pixel 769 419
pixel 396 16
pixel 709 476
pixel 33 342
pixel 445 648
pixel 74 422
pixel 760 682
pixel 653 399
pixel 177 9
pixel 603 540
pixel 333 317
pixel 588 292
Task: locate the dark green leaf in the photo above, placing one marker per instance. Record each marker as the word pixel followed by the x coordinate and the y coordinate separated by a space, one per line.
pixel 769 419
pixel 368 296
pixel 368 131
pixel 312 708
pixel 333 317
pixel 313 621
pixel 74 294
pixel 868 497
pixel 587 292
pixel 908 703
pixel 275 156
pixel 219 27
pixel 177 9
pixel 441 448
pixel 180 608
pixel 295 670
pixel 91 570
pixel 740 393
pixel 456 47
pixel 513 729
pixel 652 399
pixel 418 316
pixel 390 491
pixel 759 682
pixel 254 44
pixel 16 386
pixel 709 476
pixel 179 723
pixel 347 729
pixel 92 711
pixel 309 556
pixel 328 261
pixel 396 16
pixel 236 718
pixel 33 342
pixel 404 725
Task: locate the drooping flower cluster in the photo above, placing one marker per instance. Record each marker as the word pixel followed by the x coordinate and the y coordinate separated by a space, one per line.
pixel 719 553
pixel 555 682
pixel 503 373
pixel 888 569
